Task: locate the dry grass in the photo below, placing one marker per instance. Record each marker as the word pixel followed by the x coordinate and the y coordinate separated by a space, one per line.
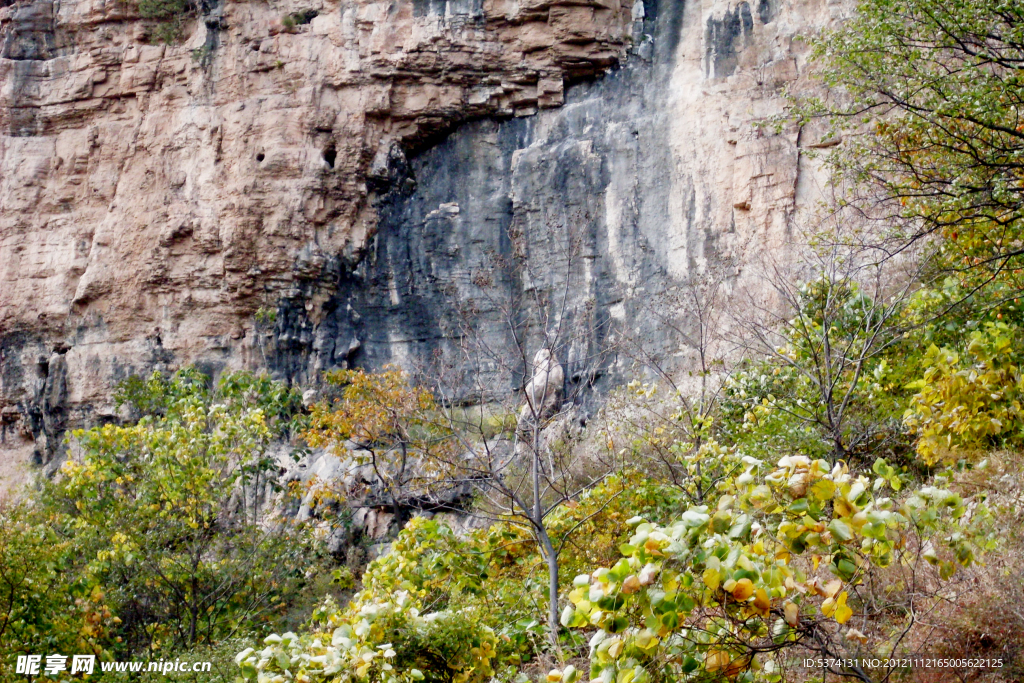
pixel 986 618
pixel 907 610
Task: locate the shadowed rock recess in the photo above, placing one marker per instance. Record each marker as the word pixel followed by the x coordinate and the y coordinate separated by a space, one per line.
pixel 306 185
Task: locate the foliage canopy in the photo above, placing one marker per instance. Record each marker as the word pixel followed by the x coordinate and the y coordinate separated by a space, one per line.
pixel 940 89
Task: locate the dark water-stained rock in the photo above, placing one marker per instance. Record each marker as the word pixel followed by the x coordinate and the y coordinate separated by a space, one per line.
pixel 322 197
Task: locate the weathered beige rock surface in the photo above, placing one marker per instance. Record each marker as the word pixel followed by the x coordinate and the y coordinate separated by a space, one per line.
pixel 154 197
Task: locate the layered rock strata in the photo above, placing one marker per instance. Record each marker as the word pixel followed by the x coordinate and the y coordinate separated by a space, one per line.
pixel 155 196
pixel 308 185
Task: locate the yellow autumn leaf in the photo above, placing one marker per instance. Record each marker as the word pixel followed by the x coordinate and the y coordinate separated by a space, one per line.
pixel 743 589
pixel 843 613
pixel 843 508
pixel 792 614
pixel 716 659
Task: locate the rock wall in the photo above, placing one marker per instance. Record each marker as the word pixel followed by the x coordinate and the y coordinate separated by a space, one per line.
pixel 308 184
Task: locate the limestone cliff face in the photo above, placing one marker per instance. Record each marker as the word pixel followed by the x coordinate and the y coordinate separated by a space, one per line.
pixel 354 166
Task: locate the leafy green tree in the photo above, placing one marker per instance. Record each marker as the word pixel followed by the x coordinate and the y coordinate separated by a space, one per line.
pixel 941 89
pixel 171 512
pixel 46 603
pixel 824 383
pixel 381 419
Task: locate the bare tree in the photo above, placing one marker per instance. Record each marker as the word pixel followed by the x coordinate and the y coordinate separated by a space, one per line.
pixel 690 315
pixel 828 326
pixel 520 447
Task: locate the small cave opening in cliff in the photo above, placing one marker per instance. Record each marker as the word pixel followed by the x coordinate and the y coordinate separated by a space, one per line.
pixel 330 156
pixel 260 157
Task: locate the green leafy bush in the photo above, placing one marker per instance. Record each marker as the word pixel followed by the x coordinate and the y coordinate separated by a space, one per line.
pixel 407 624
pixel 164 9
pixel 388 641
pixel 168 515
pixel 46 602
pixel 169 18
pixel 740 575
pixel 969 402
pixel 829 383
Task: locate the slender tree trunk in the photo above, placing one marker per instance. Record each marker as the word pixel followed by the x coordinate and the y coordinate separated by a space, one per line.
pixel 544 540
pixel 193 608
pixel 552 560
pixel 193 613
pixel 398 520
